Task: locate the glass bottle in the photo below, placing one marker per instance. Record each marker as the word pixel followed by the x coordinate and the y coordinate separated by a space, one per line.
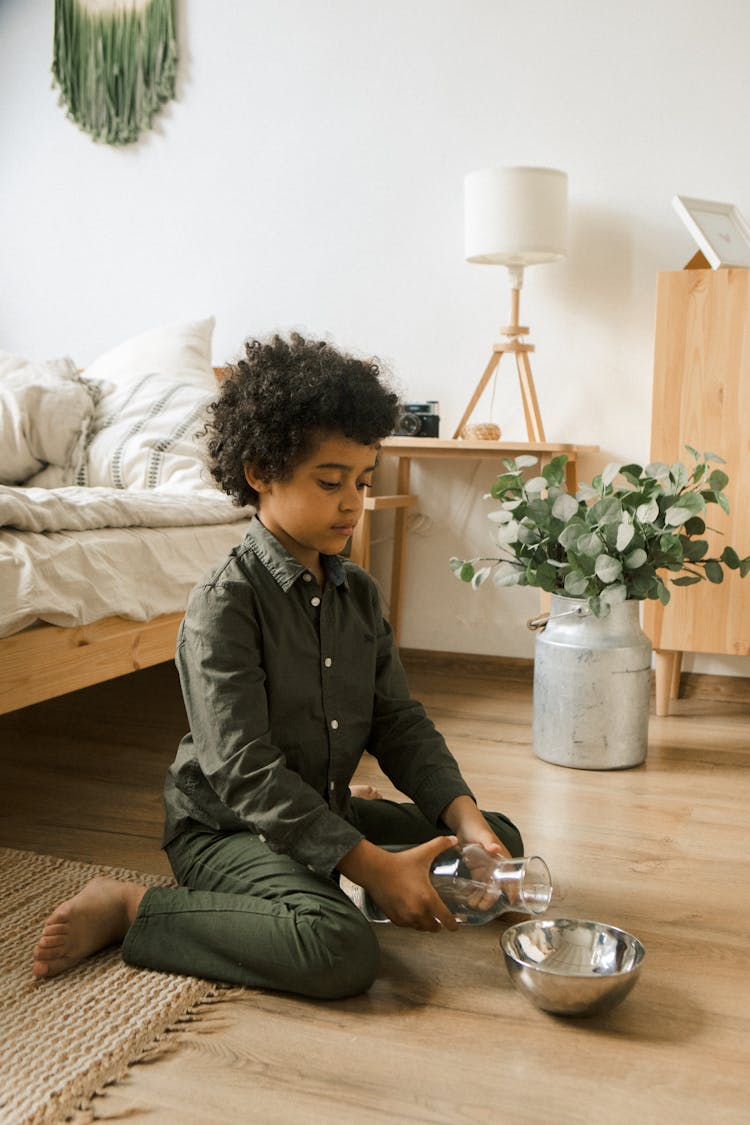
pixel 477 886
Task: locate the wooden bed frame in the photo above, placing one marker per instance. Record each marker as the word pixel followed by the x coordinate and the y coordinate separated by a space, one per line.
pixel 48 660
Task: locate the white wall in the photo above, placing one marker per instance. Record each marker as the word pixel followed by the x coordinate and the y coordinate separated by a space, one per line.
pixel 311 173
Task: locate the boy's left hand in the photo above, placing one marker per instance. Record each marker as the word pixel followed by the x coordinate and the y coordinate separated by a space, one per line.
pixel 466 821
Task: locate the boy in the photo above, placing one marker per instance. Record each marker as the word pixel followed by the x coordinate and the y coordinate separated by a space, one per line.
pixel 289 673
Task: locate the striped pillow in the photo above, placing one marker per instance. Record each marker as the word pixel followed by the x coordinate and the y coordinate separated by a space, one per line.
pixel 147 436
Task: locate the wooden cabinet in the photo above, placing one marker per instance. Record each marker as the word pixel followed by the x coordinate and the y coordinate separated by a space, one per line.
pixel 702 398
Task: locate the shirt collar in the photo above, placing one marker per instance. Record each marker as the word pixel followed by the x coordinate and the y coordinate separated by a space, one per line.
pixel 284 567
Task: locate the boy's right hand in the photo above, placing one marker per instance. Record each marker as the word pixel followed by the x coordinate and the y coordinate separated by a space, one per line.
pixel 399 882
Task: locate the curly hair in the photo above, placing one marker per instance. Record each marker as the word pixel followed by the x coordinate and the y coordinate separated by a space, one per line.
pixel 283 398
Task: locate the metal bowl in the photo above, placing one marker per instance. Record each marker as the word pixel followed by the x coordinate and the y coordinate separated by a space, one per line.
pixel 570 966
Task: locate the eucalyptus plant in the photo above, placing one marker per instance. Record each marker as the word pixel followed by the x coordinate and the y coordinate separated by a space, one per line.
pixel 617 538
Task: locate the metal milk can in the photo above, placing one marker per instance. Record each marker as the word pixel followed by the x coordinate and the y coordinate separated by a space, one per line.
pixel 591 687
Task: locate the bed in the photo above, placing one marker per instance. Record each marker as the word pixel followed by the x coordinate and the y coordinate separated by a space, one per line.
pixel 108 515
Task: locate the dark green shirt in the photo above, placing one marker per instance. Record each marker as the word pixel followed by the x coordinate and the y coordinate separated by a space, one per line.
pixel 285 686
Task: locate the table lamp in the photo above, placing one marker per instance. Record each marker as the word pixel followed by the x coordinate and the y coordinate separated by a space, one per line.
pixel 514 217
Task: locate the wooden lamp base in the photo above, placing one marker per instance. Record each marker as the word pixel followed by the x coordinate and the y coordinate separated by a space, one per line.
pixel 512 345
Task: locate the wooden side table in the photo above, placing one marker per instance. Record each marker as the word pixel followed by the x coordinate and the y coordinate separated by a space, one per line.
pixel 405 450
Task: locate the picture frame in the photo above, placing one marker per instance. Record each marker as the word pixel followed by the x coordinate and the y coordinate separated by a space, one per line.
pixel 720 230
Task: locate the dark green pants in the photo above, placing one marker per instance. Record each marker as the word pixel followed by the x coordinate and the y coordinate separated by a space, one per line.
pixel 247 915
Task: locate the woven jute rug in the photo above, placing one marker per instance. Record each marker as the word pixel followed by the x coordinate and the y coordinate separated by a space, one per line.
pixel 64 1039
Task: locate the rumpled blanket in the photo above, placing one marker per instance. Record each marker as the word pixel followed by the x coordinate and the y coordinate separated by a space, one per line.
pixel 84 509
pixel 46 418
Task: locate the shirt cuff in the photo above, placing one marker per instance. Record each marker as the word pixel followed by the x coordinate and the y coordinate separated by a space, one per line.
pixel 437 792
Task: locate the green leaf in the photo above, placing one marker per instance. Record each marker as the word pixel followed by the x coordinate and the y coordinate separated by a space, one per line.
pixel 570 534
pixel 608 569
pixel 694 549
pixel 589 544
pixel 640 582
pixel 466 573
pixel 745 567
pixel 480 576
pixel 635 559
pixel 688 580
pixel 662 592
pixel 730 558
pixel 625 533
pixel 676 515
pixel 525 461
pixel 722 501
pixel 714 457
pixel 506 533
pixel 554 472
pixel 576 583
pixel 606 510
pixel 528 535
pixel 564 507
pixel 713 570
pixel 609 472
pixel 632 474
pixel 693 501
pixel 535 485
pixel 694 452
pixel 506 482
pixel 614 595
pixel 647 513
pixel 718 480
pixel 694 526
pixel 455 564
pixel 546 577
pixel 657 469
pixel 507 574
pixel 679 475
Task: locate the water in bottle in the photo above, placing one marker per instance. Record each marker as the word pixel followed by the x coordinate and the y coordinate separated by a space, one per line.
pixel 477 886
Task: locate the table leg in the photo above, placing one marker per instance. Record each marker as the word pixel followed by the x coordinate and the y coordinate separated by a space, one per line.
pixel 667 666
pixel 399 548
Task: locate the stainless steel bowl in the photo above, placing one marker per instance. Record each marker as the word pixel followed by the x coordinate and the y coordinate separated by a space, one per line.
pixel 570 966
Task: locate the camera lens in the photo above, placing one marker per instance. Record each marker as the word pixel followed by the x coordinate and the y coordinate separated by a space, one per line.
pixel 410 424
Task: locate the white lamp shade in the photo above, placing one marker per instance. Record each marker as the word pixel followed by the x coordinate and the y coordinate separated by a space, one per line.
pixel 515 216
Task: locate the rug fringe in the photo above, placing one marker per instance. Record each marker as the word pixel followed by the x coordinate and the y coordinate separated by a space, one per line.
pixel 82 1110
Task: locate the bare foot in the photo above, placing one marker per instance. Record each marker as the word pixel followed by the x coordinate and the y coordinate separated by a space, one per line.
pixel 97 916
pixel 365 792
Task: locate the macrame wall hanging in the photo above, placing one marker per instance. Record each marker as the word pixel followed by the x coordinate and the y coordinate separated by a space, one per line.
pixel 115 62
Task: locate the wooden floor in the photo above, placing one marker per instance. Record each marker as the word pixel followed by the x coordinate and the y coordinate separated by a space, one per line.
pixel 663 851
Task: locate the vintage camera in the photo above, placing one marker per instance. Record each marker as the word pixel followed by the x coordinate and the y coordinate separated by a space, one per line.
pixel 418 419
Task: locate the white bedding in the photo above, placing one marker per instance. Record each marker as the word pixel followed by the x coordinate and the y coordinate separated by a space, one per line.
pixel 77 577
pixel 83 509
pixel 106 504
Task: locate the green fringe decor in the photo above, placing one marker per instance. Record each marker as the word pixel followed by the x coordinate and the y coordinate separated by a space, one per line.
pixel 115 62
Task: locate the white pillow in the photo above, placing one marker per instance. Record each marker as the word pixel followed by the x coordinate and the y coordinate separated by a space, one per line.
pixel 154 392
pixel 182 349
pixel 46 413
pixel 146 436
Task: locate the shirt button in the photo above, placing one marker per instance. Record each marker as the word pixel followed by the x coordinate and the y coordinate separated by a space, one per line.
pixel 307 577
pixel 328 662
pixel 314 601
pixel 332 785
pixel 334 724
